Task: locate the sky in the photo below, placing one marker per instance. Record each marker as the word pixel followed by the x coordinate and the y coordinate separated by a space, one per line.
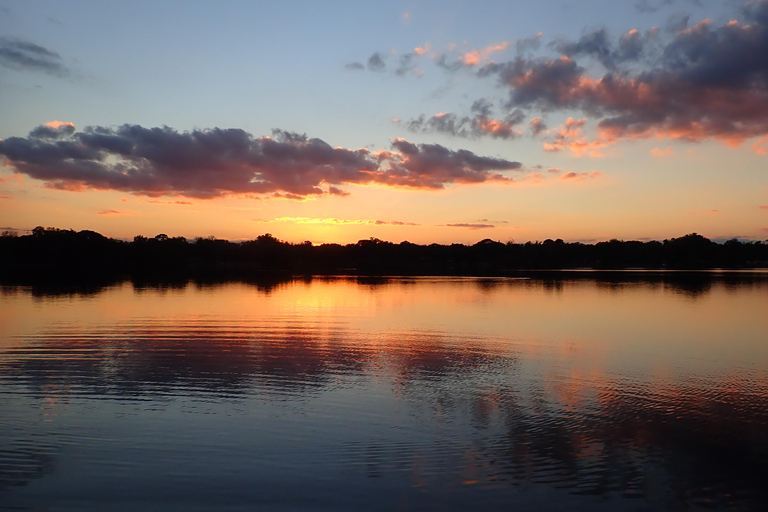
pixel 432 122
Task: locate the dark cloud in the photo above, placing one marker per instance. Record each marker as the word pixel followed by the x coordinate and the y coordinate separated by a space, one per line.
pixel 406 64
pixel 652 6
pixel 376 62
pixel 217 162
pixel 710 82
pixel 528 44
pixel 52 131
pixel 599 45
pixel 442 61
pixel 480 123
pixel 25 56
pixel 433 165
pixel 538 126
pixel 355 66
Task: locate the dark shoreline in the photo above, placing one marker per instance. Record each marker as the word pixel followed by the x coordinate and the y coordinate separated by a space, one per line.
pixel 52 255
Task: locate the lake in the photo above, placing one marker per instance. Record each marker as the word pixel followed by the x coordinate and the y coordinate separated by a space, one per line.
pixel 387 394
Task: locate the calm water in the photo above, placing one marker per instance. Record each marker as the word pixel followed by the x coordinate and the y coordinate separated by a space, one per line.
pixel 399 394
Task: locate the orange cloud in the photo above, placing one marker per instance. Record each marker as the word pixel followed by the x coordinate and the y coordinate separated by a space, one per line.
pixel 58 124
pixel 470 226
pixel 339 222
pixel 110 212
pixel 496 128
pixel 662 152
pixel 17 177
pixel 156 201
pixel 421 50
pixel 476 57
pixel 580 176
pixel 761 146
pixel 569 136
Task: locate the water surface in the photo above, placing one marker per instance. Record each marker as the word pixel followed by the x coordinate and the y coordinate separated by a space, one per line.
pixel 386 394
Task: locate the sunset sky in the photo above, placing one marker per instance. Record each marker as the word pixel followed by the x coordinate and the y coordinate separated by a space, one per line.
pixel 444 121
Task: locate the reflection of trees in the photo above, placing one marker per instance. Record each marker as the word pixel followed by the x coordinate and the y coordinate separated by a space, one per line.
pixel 24 458
pixel 676 445
pixel 679 446
pixel 147 362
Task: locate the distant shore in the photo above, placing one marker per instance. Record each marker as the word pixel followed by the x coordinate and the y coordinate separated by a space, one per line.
pixel 51 255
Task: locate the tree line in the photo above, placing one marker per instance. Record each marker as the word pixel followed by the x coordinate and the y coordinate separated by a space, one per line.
pixel 49 253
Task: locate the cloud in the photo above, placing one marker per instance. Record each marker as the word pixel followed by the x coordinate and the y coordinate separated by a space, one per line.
pixel 433 165
pixel 662 152
pixel 421 50
pixel 355 66
pixel 219 162
pixel 599 45
pixel 470 226
pixel 407 65
pixel 480 123
pixel 53 130
pixel 569 136
pixel 476 57
pixel 708 82
pixel 761 146
pixel 23 55
pixel 651 6
pixel 340 222
pixel 580 176
pixel 155 201
pixel 376 62
pixel 764 206
pixel 537 126
pixel 110 212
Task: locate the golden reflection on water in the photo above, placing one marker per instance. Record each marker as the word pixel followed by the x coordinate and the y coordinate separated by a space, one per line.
pixel 565 317
pixel 459 382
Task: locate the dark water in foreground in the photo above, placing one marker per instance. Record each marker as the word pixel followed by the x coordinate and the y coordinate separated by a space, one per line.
pixel 400 394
